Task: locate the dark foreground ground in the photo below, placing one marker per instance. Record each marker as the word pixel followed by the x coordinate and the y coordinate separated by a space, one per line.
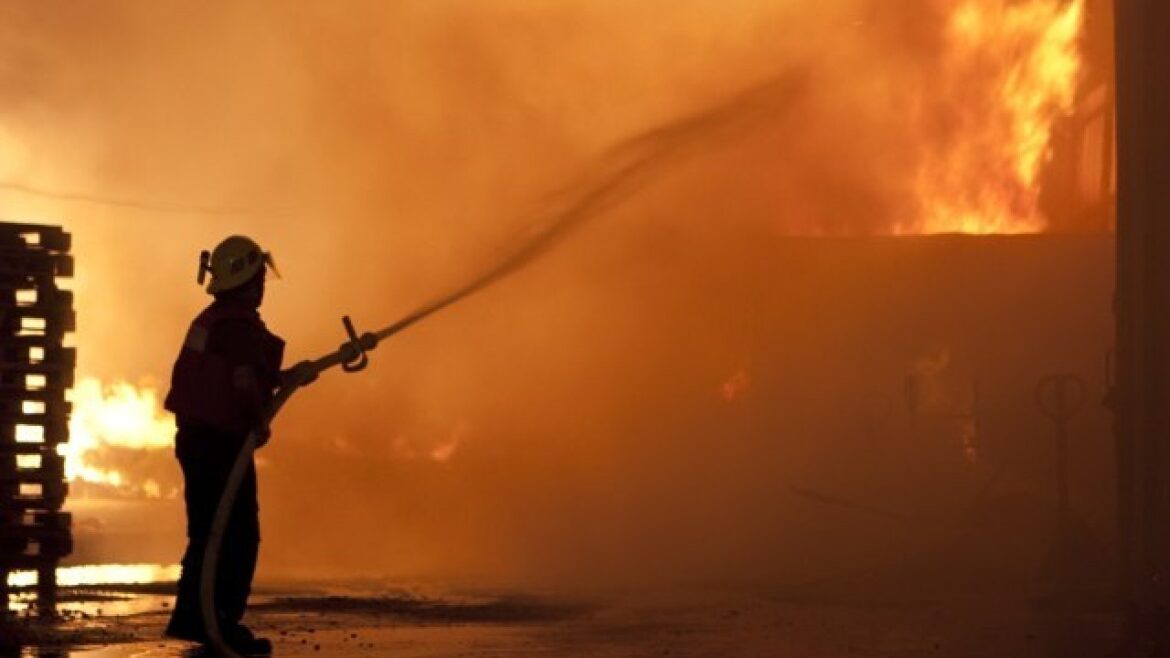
pixel 376 620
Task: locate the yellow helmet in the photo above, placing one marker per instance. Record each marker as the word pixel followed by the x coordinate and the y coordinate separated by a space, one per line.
pixel 233 263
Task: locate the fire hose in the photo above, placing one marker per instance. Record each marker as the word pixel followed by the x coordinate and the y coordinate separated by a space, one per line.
pixel 624 171
pixel 352 357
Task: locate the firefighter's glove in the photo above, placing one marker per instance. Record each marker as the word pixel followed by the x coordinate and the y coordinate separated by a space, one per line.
pixel 299 375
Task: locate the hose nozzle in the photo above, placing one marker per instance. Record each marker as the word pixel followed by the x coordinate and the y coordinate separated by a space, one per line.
pixel 355 349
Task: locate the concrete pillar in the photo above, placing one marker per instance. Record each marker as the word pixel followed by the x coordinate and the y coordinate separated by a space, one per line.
pixel 1143 318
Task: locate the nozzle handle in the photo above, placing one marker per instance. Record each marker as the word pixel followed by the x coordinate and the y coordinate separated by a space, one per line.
pixel 358 359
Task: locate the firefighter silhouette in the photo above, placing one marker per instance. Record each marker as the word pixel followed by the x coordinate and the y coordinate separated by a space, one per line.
pixel 222 383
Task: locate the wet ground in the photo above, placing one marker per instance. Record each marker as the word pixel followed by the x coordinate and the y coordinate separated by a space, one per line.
pixel 373 619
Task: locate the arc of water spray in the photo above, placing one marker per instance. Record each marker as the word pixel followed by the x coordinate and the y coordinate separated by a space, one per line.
pixel 622 172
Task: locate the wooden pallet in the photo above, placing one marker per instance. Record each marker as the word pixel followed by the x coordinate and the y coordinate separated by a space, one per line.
pixel 35 372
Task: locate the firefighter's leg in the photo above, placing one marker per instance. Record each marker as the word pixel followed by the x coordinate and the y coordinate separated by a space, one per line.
pixel 202 485
pixel 237 563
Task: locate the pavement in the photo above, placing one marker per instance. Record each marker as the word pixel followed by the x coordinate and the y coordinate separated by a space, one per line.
pixel 691 622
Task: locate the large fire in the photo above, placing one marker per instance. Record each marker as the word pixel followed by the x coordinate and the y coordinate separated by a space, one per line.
pixel 113 416
pixel 1011 69
pixel 114 424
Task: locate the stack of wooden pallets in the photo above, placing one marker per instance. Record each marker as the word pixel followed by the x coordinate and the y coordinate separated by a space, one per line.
pixel 36 369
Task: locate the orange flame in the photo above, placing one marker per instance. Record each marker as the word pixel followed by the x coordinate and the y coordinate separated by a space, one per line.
pixel 114 415
pixel 1012 70
pixel 101 574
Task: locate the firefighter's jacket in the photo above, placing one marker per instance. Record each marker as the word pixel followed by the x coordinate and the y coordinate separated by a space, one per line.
pixel 227 370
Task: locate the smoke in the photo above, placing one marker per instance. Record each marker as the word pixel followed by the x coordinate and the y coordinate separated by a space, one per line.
pixel 414 143
pixel 570 422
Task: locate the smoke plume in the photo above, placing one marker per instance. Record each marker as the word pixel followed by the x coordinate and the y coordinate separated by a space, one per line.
pixel 638 401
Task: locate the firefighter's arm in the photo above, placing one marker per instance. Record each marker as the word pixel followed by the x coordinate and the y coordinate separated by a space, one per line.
pixel 247 387
pixel 240 343
pixel 301 374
